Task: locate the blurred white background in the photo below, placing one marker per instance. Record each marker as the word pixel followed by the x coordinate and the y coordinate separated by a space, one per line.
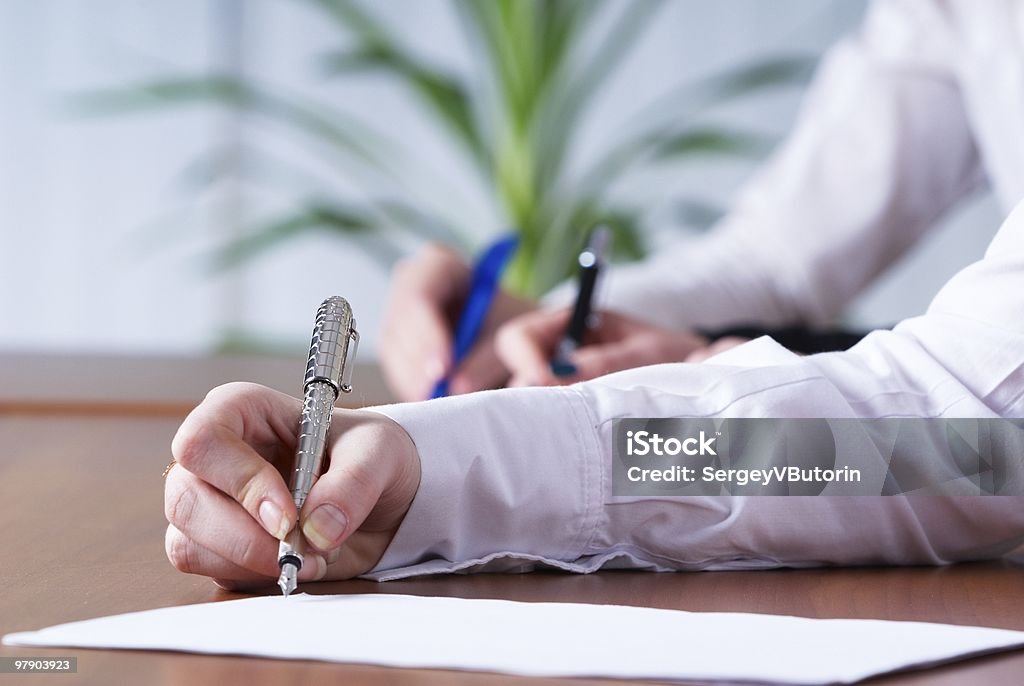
pixel 102 240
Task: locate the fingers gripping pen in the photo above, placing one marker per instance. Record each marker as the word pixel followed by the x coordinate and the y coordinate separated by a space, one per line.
pixel 328 373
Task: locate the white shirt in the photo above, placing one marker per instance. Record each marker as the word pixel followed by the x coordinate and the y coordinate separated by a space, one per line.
pixel 901 122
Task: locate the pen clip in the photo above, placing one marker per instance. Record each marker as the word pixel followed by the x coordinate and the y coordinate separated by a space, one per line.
pixel 596 248
pixel 349 364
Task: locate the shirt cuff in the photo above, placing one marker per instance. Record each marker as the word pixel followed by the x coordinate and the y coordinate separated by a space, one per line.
pixel 485 501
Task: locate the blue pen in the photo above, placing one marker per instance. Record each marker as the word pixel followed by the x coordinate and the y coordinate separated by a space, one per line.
pixel 483 286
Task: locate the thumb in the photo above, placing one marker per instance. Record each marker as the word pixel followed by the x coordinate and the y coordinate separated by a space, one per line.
pixel 369 486
pixel 635 350
pixel 525 345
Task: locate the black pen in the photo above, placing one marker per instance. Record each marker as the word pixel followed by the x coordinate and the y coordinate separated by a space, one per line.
pixel 591 262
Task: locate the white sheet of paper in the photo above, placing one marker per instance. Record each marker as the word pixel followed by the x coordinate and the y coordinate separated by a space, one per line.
pixel 540 639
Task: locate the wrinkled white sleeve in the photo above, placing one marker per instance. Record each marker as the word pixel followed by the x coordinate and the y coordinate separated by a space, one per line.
pixel 519 477
pixel 882 147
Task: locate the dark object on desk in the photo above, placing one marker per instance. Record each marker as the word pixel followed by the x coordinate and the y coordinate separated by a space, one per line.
pixel 799 339
pixel 591 261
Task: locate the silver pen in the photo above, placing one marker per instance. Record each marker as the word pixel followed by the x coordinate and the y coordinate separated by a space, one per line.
pixel 328 373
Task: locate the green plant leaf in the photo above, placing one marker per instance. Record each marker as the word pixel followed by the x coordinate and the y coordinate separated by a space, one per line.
pixel 377 227
pixel 560 24
pixel 526 47
pixel 561 118
pixel 417 223
pixel 665 139
pixel 507 36
pixel 252 163
pixel 748 78
pixel 445 95
pixel 378 49
pixel 709 141
pixel 689 99
pixel 542 66
pixel 321 124
pixel 348 16
pixel 668 144
pixel 314 217
pixel 224 90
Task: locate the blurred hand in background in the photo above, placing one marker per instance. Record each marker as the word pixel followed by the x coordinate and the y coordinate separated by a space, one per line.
pixel 526 345
pixel 425 299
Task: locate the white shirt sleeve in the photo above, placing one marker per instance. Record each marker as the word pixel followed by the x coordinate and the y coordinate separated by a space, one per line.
pixel 882 147
pixel 520 477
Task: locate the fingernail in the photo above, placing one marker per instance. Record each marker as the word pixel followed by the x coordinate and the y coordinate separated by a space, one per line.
pixel 225 584
pixel 274 520
pixel 333 556
pixel 325 526
pixel 314 568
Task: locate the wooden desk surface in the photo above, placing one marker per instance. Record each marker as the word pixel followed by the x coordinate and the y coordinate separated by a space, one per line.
pixel 83 537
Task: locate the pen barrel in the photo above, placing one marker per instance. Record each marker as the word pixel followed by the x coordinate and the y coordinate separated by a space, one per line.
pixel 333 332
pixel 317 406
pixel 591 262
pixel 580 319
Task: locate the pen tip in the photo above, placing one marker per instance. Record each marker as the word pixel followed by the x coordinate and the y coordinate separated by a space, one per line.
pixel 288 581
